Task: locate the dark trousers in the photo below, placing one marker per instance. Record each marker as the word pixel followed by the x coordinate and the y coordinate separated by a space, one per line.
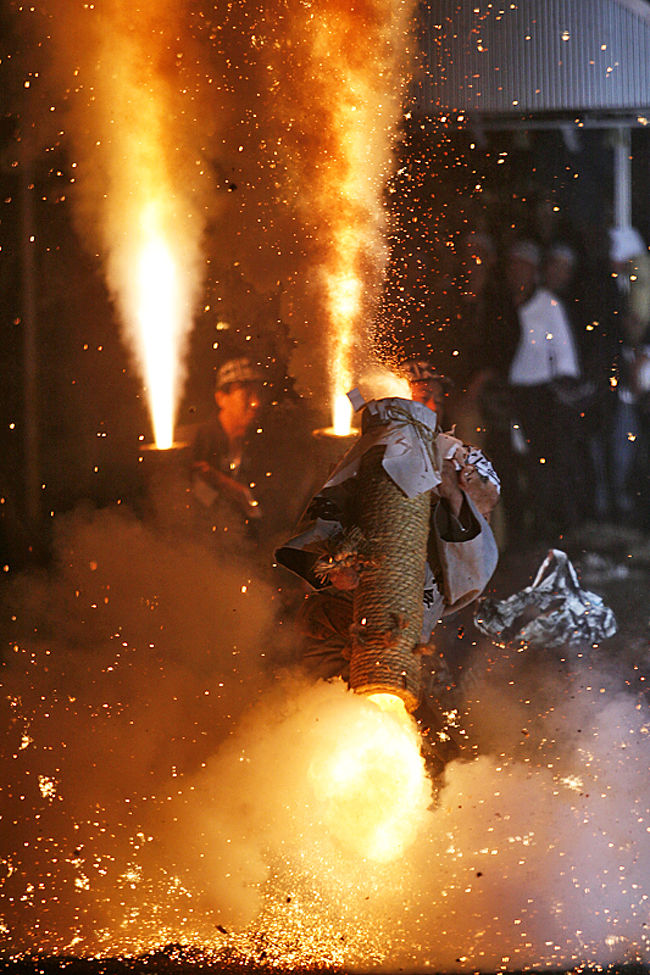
pixel 551 469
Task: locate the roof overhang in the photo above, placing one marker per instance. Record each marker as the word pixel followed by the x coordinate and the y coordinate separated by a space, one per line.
pixel 536 63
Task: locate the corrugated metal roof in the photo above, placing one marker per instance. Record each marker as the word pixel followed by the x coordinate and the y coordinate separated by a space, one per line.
pixel 535 56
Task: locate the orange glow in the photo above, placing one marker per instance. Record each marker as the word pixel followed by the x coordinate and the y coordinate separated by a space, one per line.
pixel 341 415
pixel 364 97
pixel 344 297
pixel 157 317
pixel 371 782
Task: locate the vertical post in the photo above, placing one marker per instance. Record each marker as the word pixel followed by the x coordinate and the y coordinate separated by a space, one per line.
pixel 30 361
pixel 622 178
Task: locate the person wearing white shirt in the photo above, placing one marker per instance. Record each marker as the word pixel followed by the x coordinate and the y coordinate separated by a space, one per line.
pixel 544 364
pixel 546 349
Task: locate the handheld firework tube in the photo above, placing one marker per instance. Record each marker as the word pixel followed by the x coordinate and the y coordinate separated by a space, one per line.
pixel 387 607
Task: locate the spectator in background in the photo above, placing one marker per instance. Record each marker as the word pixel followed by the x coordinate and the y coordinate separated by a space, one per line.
pixel 481 359
pixel 559 275
pixel 547 222
pixel 220 469
pixel 475 303
pixel 630 263
pixel 541 374
pixel 559 270
pixel 597 311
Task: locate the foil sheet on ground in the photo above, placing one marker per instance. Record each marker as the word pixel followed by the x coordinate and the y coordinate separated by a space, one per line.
pixel 552 612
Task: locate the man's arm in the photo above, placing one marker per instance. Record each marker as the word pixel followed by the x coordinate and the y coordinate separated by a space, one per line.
pixel 238 494
pixel 468 556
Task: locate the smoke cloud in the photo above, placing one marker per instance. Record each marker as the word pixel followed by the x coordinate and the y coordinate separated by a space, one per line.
pixel 168 780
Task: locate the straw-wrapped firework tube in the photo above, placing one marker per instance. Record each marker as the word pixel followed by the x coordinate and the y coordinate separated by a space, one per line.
pixel 388 609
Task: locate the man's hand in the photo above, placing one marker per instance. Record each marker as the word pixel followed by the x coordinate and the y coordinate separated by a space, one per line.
pixel 238 494
pixel 344 578
pixel 481 490
pixel 449 487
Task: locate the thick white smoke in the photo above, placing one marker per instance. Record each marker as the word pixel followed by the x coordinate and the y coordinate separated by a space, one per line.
pixel 166 782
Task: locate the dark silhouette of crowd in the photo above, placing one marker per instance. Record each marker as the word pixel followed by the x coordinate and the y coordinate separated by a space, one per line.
pixel 546 339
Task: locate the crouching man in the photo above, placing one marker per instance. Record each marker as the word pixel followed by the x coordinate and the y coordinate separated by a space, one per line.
pixel 380 585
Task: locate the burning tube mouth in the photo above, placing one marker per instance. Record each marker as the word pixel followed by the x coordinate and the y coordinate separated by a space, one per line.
pixel 387 608
pixel 164 481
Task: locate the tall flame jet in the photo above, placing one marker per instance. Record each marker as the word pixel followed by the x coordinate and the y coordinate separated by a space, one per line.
pixel 365 48
pixel 152 224
pixel 338 73
pixel 124 84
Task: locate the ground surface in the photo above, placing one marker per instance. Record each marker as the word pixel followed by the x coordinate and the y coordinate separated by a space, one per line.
pixel 613 563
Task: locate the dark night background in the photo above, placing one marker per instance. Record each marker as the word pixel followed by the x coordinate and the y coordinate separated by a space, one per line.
pixel 75 397
pixel 73 403
pixel 88 404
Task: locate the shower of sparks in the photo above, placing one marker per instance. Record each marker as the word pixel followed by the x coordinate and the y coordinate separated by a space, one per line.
pixel 317 817
pixel 358 229
pixel 152 227
pixel 302 108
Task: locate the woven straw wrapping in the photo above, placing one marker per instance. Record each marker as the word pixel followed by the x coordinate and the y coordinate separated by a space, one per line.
pixel 388 610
